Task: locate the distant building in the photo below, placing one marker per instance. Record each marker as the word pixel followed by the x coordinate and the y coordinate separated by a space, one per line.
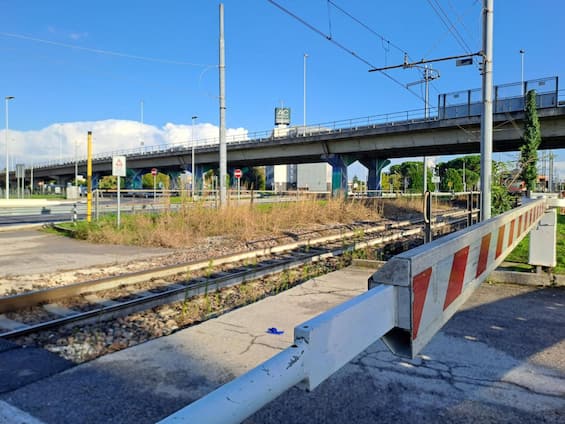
pixel 308 176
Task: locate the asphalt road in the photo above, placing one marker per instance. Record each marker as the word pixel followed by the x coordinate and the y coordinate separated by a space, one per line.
pixel 501 359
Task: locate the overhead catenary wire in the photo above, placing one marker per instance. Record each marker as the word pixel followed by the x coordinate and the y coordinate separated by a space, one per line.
pixel 438 9
pixel 341 46
pixel 372 31
pixel 461 22
pixel 103 52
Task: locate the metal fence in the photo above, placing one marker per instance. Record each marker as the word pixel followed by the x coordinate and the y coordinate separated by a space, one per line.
pixel 507 98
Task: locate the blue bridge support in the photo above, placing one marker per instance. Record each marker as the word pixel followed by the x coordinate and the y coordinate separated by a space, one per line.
pixel 374 166
pixel 339 165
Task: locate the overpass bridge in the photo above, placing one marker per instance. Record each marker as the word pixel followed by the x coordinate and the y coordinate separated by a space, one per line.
pixel 455 129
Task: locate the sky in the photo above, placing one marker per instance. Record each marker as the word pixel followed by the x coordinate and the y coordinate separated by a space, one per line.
pixel 136 72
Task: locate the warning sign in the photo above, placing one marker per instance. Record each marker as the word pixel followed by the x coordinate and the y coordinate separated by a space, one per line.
pixel 119 166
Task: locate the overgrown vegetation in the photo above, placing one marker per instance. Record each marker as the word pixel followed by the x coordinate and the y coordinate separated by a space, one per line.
pixel 531 142
pixel 194 222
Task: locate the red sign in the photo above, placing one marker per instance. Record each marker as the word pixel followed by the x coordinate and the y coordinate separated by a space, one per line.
pixel 237 173
pixel 153 171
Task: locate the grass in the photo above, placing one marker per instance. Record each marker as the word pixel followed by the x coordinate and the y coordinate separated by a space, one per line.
pixel 194 222
pixel 521 252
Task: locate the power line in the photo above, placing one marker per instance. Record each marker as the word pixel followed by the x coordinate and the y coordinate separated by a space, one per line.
pixel 460 20
pixel 103 52
pixel 341 46
pixel 383 38
pixel 438 9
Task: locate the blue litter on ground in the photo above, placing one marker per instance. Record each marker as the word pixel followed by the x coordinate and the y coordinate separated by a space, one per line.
pixel 273 330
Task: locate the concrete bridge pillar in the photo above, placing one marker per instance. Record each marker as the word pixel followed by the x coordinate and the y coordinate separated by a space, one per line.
pixel 375 166
pixel 339 165
pixel 95 180
pixel 134 178
pixel 173 179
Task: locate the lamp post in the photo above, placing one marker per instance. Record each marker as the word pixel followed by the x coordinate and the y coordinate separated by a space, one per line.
pixel 7 99
pixel 76 170
pixel 522 52
pixel 141 143
pixel 304 94
pixel 194 118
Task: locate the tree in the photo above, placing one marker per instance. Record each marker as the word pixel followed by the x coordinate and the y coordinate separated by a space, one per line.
pixel 147 180
pixel 531 142
pixel 254 178
pixel 451 173
pixel 110 182
pixel 501 199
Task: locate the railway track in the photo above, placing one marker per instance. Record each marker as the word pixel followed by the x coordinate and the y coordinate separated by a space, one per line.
pixel 112 297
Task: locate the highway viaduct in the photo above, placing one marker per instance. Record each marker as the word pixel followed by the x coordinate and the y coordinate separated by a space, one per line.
pixel 369 143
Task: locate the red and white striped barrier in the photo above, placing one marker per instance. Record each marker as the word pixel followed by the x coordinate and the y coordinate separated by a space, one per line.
pixel 434 279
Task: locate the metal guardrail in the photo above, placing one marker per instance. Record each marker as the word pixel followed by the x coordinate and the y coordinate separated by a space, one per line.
pixel 409 300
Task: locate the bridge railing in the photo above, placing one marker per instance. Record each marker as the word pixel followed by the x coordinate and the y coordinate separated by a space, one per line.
pixel 408 301
pixel 508 98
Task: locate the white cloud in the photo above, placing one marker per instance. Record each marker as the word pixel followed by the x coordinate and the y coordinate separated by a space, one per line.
pixel 57 142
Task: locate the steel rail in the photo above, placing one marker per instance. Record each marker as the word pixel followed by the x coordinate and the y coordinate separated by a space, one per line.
pixel 19 301
pixel 211 285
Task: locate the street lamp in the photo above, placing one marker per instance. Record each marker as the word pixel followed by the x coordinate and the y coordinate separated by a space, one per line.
pixel 194 118
pixel 522 52
pixel 76 169
pixel 304 94
pixel 7 99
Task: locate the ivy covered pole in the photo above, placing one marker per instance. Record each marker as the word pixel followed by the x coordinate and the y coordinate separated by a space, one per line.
pixel 531 142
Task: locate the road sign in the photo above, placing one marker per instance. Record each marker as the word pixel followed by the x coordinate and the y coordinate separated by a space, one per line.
pixel 119 166
pixel 237 173
pixel 154 171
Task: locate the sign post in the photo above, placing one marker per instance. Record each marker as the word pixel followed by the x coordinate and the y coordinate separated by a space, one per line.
pixel 119 170
pixel 154 173
pixel 237 174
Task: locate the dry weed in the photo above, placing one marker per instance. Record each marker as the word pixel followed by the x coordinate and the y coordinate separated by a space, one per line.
pixel 194 222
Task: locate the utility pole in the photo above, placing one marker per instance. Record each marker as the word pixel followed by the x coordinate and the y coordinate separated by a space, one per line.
pixel 194 118
pixel 429 75
pixel 522 52
pixel 223 148
pixel 486 119
pixel 304 96
pixel 141 143
pixel 7 194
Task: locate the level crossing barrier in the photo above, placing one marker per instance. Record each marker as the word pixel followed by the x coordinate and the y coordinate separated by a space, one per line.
pixel 408 301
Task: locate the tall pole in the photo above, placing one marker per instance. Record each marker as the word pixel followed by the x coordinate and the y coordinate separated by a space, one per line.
pixel 76 169
pixel 89 177
pixel 194 118
pixel 464 179
pixel 304 94
pixel 486 119
pixel 522 51
pixel 7 99
pixel 426 116
pixel 31 179
pixel 223 148
pixel 141 143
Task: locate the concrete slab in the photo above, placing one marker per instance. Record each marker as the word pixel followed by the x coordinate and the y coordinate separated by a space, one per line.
pixel 11 415
pixel 33 251
pixel 22 366
pixel 501 359
pixel 6 345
